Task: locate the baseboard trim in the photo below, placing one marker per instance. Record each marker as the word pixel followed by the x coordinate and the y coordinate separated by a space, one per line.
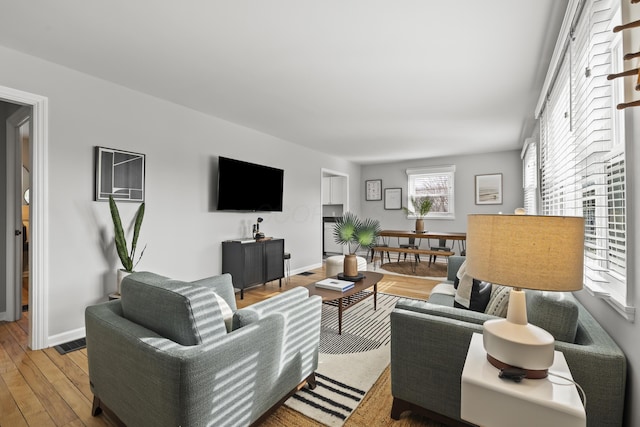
pixel 66 337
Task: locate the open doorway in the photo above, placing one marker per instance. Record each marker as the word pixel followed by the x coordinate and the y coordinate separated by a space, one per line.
pixel 17 210
pixel 27 117
pixel 335 202
pixel 25 211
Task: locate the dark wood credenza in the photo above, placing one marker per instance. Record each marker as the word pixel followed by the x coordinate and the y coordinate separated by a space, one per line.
pixel 253 262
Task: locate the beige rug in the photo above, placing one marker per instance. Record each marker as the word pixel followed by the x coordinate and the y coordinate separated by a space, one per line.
pixel 350 363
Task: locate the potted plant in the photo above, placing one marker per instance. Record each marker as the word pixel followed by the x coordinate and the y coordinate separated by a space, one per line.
pixel 127 258
pixel 421 207
pixel 355 233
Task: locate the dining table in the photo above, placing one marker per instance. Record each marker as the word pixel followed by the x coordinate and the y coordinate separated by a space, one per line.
pixel 459 237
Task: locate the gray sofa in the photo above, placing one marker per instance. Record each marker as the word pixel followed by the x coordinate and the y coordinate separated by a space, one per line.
pixel 429 342
pixel 163 354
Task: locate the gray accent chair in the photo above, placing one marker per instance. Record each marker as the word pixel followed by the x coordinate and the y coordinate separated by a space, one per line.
pixel 162 354
pixel 430 339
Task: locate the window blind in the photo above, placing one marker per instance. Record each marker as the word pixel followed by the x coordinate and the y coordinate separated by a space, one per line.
pixel 530 177
pixel 582 156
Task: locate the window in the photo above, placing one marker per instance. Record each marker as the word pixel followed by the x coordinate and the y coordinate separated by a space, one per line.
pixel 437 183
pixel 582 158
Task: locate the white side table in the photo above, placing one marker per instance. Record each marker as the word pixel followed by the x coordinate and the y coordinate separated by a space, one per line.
pixel 488 400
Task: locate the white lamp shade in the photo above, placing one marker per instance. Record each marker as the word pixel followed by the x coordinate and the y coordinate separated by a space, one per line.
pixel 527 251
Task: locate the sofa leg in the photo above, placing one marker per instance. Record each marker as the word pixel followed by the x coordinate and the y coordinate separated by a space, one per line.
pixel 96 409
pixel 398 407
pixel 311 381
pixel 99 407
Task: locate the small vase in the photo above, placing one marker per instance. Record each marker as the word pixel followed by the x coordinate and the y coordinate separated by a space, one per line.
pixel 419 225
pixel 350 265
pixel 121 275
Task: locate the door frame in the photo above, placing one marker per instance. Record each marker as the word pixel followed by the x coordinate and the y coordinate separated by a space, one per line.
pixel 39 205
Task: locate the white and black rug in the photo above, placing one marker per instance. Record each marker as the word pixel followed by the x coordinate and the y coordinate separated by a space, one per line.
pixel 350 363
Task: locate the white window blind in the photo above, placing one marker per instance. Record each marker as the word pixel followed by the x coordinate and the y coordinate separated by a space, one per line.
pixel 530 177
pixel 437 183
pixel 582 156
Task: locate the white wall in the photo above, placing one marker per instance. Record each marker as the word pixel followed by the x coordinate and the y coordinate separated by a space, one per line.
pixel 182 233
pixel 394 175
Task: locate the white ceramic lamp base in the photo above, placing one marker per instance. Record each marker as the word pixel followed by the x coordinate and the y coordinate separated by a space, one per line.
pixel 513 342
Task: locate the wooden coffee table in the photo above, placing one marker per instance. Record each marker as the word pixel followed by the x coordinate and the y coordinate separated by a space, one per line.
pixel 349 298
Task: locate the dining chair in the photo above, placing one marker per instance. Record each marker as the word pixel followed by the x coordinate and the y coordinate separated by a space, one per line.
pixel 380 242
pixel 442 246
pixel 411 244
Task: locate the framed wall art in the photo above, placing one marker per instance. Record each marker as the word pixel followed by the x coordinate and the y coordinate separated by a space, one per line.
pixel 119 174
pixel 489 189
pixel 393 198
pixel 373 189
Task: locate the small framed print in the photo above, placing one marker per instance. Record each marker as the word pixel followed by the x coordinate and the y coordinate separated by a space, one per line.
pixel 373 189
pixel 393 198
pixel 489 189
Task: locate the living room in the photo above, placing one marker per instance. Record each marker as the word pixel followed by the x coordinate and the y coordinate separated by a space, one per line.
pixel 182 231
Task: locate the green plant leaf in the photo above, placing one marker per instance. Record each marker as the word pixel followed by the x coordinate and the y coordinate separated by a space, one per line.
pixel 121 243
pixel 367 233
pixel 136 231
pixel 351 231
pixel 421 206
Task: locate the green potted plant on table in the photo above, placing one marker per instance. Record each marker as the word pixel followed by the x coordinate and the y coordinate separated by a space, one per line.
pixel 355 233
pixel 127 258
pixel 421 207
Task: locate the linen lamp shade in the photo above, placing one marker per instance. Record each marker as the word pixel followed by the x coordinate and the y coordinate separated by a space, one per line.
pixel 530 252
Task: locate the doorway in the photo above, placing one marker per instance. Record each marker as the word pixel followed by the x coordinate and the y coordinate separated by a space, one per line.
pixel 18 184
pixel 335 202
pixel 33 109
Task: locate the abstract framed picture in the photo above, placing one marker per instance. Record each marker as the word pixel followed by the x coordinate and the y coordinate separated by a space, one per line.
pixel 119 174
pixel 489 189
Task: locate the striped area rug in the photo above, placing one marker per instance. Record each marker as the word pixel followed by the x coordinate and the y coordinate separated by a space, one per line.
pixel 349 364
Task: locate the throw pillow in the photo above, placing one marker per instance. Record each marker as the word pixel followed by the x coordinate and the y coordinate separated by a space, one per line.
pixel 480 295
pixel 471 294
pixel 499 301
pixel 555 312
pixel 227 313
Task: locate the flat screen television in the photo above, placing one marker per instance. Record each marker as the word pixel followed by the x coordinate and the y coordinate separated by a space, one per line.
pixel 244 186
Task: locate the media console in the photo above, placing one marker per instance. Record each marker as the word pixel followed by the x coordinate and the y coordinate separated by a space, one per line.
pixel 252 262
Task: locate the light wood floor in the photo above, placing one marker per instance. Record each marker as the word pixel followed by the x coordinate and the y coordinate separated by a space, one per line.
pixel 44 388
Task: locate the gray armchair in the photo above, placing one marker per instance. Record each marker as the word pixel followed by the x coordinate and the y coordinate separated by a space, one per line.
pixel 162 355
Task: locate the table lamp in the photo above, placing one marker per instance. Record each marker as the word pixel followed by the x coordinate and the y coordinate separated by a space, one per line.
pixel 524 252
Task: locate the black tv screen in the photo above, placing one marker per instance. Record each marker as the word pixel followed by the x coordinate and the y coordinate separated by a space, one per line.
pixel 244 186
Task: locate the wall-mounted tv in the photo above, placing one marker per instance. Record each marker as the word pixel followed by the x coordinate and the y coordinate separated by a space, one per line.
pixel 244 186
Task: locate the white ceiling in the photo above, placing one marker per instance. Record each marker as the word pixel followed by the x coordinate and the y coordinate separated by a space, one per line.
pixel 368 80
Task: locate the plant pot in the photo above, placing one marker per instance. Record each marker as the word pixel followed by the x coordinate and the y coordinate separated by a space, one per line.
pixel 350 267
pixel 419 225
pixel 121 275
